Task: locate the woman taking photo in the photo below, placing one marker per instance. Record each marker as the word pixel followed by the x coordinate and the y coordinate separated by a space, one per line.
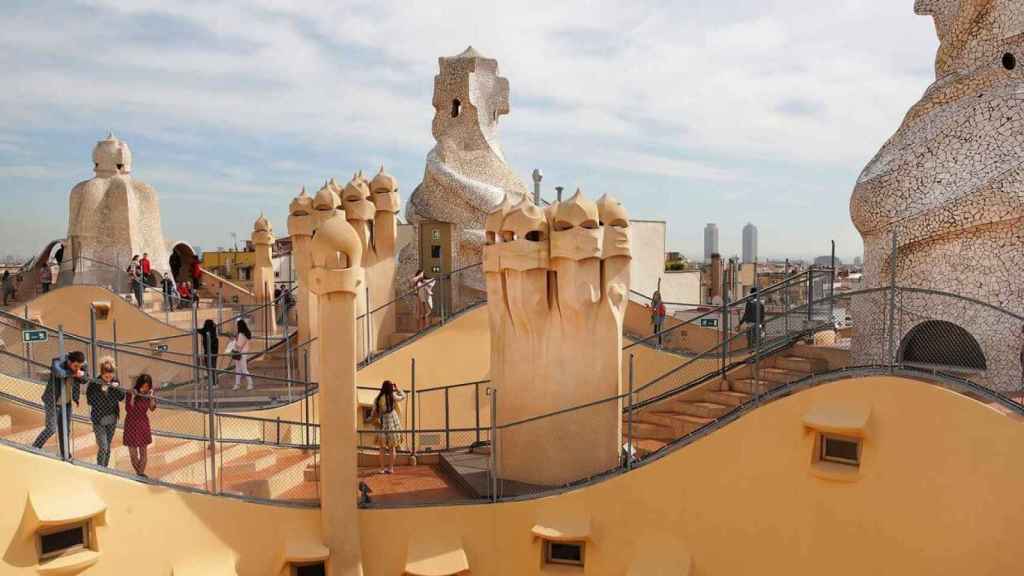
pixel 104 395
pixel 137 436
pixel 388 417
pixel 239 355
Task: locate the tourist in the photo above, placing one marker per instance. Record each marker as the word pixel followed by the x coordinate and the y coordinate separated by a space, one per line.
pixel 8 286
pixel 753 316
pixel 104 395
pixel 240 349
pixel 135 277
pixel 185 293
pixel 657 309
pixel 170 292
pixel 66 372
pixel 197 274
pixel 424 298
pixel 387 415
pixel 45 277
pixel 147 267
pixel 137 434
pixel 59 255
pixel 211 346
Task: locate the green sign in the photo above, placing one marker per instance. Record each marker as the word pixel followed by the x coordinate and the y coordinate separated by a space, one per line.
pixel 709 322
pixel 34 336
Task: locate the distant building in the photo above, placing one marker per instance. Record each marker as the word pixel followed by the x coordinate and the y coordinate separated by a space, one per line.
pixel 749 243
pixel 858 261
pixel 710 241
pixel 826 261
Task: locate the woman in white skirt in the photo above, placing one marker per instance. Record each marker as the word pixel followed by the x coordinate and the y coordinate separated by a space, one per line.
pixel 387 415
pixel 239 354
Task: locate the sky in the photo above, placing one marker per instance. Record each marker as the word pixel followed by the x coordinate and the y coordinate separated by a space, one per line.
pixel 689 111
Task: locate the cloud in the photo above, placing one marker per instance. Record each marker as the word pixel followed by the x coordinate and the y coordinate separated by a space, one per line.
pixel 258 96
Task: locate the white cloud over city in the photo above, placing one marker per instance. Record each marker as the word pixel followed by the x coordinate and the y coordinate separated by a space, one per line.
pixel 691 111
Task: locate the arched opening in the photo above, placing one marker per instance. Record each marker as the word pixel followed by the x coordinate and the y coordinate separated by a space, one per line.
pixel 941 343
pixel 456 108
pixel 181 261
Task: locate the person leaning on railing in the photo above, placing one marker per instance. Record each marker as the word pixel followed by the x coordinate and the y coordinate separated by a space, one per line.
pixel 138 403
pixel 67 371
pixel 104 395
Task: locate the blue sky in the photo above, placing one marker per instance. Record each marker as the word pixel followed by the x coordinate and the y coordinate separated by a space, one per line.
pixel 690 111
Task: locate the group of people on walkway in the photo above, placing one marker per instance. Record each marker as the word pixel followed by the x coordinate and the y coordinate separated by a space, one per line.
pixel 104 394
pixel 176 295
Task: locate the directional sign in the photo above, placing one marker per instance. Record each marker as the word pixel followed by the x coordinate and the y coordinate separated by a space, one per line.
pixel 34 336
pixel 709 322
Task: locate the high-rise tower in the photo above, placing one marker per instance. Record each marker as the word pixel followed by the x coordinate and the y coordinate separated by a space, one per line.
pixel 710 241
pixel 749 243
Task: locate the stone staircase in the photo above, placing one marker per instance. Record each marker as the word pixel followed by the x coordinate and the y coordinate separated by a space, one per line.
pixel 252 470
pixel 661 423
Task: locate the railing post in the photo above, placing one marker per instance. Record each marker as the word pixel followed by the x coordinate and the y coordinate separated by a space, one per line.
pixel 493 393
pixel 892 304
pixel 113 325
pixel 92 341
pixel 810 294
pixel 832 288
pixel 211 378
pixel 725 325
pixel 278 431
pixel 758 337
pixel 413 402
pixel 64 407
pixel 444 297
pixel 629 418
pixel 369 328
pixel 476 403
pixel 28 349
pixel 785 305
pixel 447 427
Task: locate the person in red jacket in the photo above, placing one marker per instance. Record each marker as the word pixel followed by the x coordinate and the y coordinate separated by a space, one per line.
pixel 185 291
pixel 147 267
pixel 197 274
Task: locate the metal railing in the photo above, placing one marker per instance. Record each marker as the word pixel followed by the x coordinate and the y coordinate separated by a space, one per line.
pixel 254 458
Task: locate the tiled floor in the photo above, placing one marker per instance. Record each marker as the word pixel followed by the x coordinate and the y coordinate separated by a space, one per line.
pixel 411 484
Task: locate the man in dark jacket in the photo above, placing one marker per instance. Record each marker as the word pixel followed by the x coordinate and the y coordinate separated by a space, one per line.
pixel 753 315
pixel 64 386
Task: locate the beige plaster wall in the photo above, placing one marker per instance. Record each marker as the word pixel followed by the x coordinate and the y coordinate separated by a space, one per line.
pixel 930 498
pixel 148 529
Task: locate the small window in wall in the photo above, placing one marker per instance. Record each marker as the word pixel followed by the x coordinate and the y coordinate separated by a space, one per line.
pixel 435 235
pixel 435 251
pixel 840 450
pixel 456 108
pixel 570 553
pixel 63 540
pixel 309 569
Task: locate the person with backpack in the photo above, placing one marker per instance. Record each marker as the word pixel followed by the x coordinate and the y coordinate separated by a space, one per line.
pixel 386 414
pixel 753 316
pixel 135 277
pixel 67 373
pixel 211 346
pixel 104 395
pixel 658 313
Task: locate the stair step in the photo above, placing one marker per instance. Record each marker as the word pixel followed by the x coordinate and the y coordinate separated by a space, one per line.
pixel 673 423
pixel 726 397
pixel 647 431
pixel 701 409
pixel 751 386
pixel 6 423
pixel 801 364
pixel 252 464
pixel 780 375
